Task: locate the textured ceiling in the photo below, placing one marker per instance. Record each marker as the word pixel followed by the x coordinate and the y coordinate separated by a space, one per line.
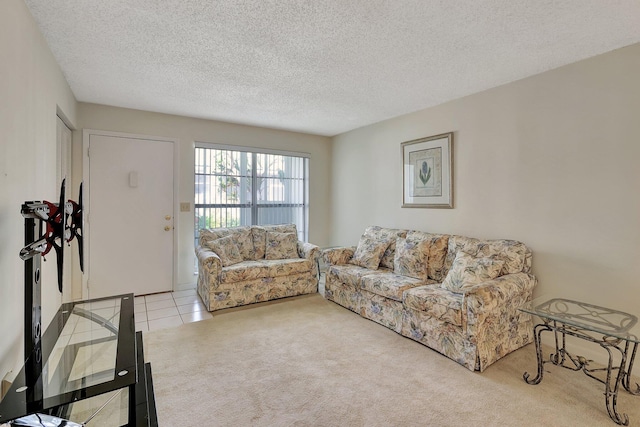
pixel 317 66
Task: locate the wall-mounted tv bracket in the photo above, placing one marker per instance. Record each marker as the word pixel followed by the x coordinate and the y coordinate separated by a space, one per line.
pixel 74 230
pixel 60 221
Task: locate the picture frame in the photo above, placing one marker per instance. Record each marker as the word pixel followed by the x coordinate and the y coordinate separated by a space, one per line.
pixel 427 172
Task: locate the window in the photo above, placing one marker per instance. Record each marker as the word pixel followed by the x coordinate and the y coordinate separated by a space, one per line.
pixel 236 186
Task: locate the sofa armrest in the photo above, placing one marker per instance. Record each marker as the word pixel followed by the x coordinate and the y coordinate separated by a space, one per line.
pixel 209 267
pixel 311 253
pixel 207 257
pixel 338 256
pixel 498 298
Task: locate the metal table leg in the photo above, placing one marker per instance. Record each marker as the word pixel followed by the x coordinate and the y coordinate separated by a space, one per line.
pixel 561 356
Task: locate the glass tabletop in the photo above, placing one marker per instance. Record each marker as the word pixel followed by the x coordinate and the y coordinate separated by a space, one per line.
pixel 88 349
pixel 589 317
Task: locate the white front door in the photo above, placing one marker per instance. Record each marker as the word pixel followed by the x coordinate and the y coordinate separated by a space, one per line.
pixel 130 215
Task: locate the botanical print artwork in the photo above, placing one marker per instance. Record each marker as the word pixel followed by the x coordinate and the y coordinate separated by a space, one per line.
pixel 427 170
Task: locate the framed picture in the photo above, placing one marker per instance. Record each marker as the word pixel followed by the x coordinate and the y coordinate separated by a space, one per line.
pixel 427 172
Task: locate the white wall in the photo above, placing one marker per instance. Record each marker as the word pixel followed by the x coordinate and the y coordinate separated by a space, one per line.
pixel 551 160
pixel 32 88
pixel 187 130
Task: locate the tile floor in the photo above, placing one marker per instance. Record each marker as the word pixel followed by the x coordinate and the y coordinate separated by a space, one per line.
pixel 169 309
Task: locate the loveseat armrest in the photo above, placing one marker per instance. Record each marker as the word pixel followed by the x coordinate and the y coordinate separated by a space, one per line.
pixel 206 257
pixel 338 256
pixel 209 268
pixel 311 253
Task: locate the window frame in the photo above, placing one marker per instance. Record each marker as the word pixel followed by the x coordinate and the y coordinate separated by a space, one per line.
pixel 254 204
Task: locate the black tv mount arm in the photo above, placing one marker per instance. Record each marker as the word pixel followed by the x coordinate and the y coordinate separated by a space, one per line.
pixel 56 223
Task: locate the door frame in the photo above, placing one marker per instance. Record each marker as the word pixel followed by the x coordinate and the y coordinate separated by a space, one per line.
pixel 86 232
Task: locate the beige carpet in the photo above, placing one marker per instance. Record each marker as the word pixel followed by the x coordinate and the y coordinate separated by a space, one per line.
pixel 309 362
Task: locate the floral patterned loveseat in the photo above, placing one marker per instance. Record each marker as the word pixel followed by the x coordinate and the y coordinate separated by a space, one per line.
pixel 244 265
pixel 454 294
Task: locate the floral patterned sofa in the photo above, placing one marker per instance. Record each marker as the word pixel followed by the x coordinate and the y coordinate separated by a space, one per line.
pixel 244 265
pixel 454 294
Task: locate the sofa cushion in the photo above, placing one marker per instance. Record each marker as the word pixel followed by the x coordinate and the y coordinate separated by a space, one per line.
pixel 351 274
pixel 251 270
pixel 411 258
pixel 386 234
pixel 281 246
pixel 338 255
pixel 512 252
pixel 369 252
pixel 207 234
pixel 389 285
pixel 436 302
pixel 226 249
pixel 244 241
pixel 468 270
pixel 259 236
pixel 242 236
pixel 285 267
pixel 243 271
pixel 436 252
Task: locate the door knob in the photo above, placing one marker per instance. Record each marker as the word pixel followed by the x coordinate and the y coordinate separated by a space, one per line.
pixel 167 228
pixel 168 217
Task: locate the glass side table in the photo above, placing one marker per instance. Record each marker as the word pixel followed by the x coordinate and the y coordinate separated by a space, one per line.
pixel 615 331
pixel 87 370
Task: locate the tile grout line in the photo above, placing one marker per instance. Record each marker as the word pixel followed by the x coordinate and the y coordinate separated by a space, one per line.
pixel 181 316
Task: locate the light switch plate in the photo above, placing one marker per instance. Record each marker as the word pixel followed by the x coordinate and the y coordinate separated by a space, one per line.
pixel 185 207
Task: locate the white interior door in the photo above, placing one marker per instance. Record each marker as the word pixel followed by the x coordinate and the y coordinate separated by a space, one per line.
pixel 130 215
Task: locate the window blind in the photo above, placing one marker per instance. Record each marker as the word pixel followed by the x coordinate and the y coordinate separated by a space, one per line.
pixel 236 187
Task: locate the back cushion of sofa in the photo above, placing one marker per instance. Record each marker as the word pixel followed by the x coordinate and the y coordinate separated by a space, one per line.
pixel 227 249
pixel 207 234
pixel 386 234
pixel 437 252
pixel 281 245
pixel 516 255
pixel 513 253
pixel 411 258
pixel 259 236
pixel 241 235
